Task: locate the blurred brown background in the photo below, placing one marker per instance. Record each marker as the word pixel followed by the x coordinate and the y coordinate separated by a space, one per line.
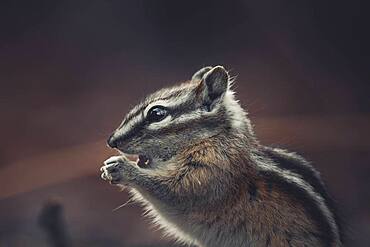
pixel 71 69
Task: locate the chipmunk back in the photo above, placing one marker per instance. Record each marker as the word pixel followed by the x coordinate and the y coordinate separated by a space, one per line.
pixel 189 155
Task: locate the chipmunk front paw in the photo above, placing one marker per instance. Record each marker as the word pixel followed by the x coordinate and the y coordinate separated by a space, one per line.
pixel 116 170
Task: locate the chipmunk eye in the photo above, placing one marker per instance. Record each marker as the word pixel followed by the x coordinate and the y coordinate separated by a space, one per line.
pixel 157 113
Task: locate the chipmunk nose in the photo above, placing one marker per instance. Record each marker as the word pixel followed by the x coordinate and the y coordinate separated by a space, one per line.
pixel 112 141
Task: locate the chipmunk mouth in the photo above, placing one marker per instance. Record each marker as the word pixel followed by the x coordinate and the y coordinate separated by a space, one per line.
pixel 141 160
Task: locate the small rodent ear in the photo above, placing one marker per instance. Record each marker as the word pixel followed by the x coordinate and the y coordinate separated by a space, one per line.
pixel 200 73
pixel 215 84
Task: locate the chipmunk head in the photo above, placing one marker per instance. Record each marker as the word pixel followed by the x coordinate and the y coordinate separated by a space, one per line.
pixel 171 119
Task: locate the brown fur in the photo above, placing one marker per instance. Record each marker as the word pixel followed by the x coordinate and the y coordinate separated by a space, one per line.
pixel 270 217
pixel 209 184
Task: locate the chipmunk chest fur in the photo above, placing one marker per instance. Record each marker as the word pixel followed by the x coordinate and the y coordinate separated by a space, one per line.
pixel 204 178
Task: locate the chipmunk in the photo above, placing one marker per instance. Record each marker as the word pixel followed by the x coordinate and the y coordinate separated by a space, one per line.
pixel 189 155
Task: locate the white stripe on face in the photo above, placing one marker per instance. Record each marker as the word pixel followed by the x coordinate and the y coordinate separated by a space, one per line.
pixel 169 103
pixel 158 125
pixel 165 103
pixel 182 119
pixel 235 112
pixel 140 117
pixel 196 114
pixel 126 128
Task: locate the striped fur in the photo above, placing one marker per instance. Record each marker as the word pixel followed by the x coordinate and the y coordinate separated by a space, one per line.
pixel 211 183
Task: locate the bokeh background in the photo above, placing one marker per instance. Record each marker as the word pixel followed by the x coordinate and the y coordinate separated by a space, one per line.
pixel 71 69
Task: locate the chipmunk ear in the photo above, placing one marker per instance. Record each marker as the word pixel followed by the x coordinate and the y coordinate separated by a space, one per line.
pixel 214 85
pixel 200 73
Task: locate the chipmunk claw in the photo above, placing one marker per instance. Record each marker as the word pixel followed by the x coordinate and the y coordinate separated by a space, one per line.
pixel 113 170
